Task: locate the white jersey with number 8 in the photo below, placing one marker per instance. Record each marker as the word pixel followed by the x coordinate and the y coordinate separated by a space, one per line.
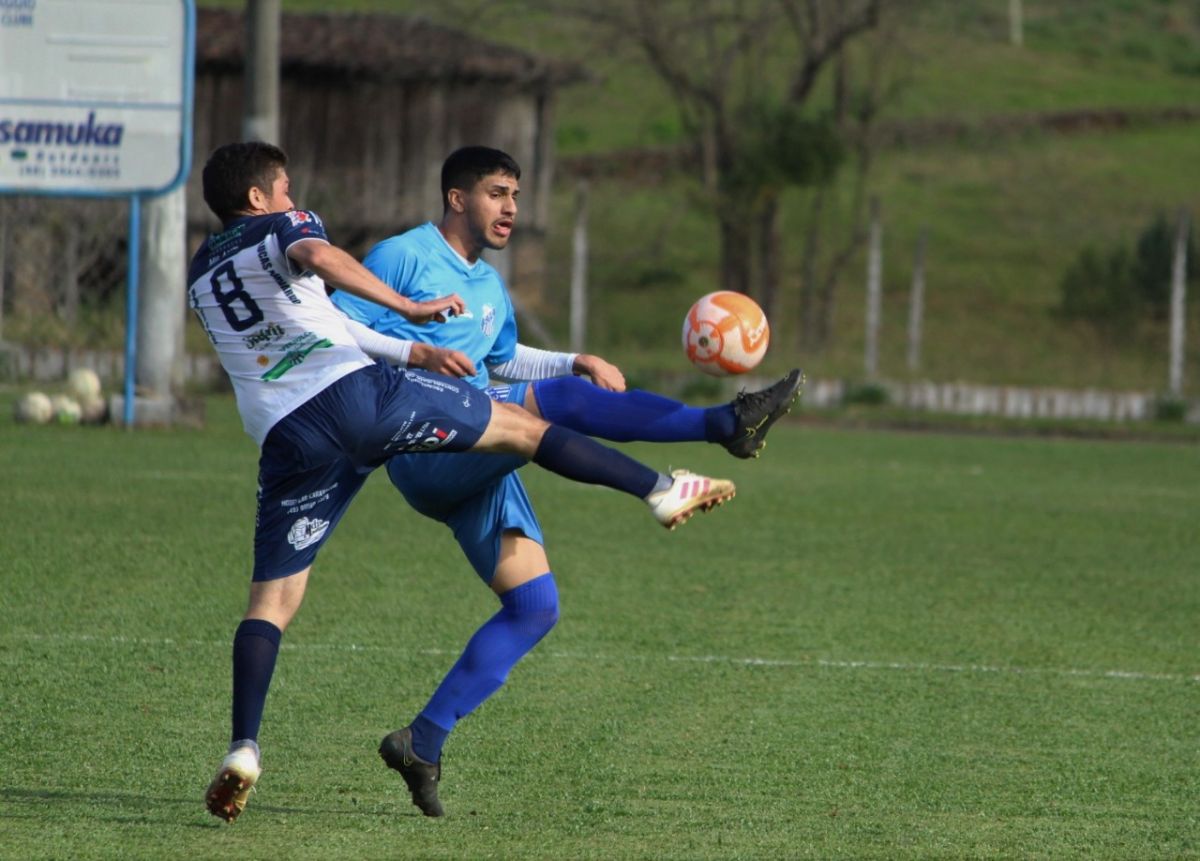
pixel 278 336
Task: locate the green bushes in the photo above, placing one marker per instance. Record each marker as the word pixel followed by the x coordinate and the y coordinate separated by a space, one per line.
pixel 1114 289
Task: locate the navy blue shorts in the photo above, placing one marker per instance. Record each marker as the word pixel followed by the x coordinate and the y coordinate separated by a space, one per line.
pixel 478 495
pixel 316 458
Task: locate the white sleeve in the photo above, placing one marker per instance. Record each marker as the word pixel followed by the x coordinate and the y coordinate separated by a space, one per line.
pixel 379 346
pixel 529 363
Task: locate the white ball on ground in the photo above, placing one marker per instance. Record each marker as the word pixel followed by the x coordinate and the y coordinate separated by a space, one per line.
pixel 95 410
pixel 33 408
pixel 83 384
pixel 66 410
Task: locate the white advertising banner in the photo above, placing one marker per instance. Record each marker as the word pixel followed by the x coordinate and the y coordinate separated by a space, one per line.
pixel 95 95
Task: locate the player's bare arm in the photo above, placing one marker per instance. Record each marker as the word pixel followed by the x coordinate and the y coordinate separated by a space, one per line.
pixel 341 270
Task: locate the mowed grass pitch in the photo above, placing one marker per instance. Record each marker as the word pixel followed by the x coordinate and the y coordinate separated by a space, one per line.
pixel 888 646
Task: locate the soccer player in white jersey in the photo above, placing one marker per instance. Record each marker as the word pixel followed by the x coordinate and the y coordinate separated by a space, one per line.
pixel 481 498
pixel 325 414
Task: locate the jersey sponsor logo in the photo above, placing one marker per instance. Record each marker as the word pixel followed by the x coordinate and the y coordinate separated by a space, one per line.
pixel 296 355
pixel 44 133
pixel 488 324
pixel 299 217
pixel 307 531
pixel 265 335
pixel 223 245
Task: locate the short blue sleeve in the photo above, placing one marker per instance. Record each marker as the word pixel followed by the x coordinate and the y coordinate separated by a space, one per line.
pixel 395 265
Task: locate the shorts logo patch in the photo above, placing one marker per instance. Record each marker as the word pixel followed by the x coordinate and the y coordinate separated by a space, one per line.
pixel 425 438
pixel 307 531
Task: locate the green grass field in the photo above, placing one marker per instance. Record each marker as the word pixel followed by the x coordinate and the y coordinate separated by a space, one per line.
pixel 888 646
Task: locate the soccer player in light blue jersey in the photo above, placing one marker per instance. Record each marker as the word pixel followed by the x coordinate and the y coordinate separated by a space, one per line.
pixel 325 413
pixel 481 498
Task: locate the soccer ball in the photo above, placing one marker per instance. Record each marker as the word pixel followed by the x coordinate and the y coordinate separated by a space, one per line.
pixel 95 410
pixel 83 384
pixel 725 333
pixel 34 408
pixel 66 409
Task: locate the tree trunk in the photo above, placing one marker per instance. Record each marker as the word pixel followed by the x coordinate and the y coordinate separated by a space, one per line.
pixel 874 292
pixel 1178 315
pixel 809 315
pixel 767 246
pixel 916 303
pixel 735 250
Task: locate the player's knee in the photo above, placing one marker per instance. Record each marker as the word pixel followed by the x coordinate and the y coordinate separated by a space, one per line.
pixel 512 429
pixel 541 619
pixel 535 605
pixel 564 400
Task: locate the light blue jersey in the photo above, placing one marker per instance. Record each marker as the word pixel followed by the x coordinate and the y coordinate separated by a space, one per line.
pixel 421 265
pixel 482 497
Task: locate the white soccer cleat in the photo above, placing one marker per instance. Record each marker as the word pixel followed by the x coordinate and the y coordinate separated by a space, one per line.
pixel 227 794
pixel 688 494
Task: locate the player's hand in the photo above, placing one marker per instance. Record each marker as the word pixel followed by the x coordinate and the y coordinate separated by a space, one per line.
pixel 435 310
pixel 452 363
pixel 604 374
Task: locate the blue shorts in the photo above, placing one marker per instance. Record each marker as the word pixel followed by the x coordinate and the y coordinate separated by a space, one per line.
pixel 479 496
pixel 316 458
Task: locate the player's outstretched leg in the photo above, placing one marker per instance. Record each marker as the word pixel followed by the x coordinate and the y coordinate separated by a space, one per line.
pixel 227 794
pixel 740 425
pixel 688 494
pixel 757 411
pixel 422 777
pixel 672 499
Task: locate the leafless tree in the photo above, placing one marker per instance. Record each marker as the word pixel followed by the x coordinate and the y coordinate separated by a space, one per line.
pixel 745 76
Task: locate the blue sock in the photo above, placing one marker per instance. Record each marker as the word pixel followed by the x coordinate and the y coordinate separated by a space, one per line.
pixel 577 404
pixel 580 458
pixel 255 646
pixel 527 614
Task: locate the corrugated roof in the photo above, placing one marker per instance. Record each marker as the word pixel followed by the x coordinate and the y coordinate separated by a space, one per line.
pixel 377 47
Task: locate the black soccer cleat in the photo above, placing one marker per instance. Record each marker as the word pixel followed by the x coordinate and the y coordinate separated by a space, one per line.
pixel 422 777
pixel 757 411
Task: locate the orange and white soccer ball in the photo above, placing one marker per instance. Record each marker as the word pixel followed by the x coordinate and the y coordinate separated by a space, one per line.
pixel 725 333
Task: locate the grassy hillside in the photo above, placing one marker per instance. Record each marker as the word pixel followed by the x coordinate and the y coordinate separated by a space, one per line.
pixel 1006 215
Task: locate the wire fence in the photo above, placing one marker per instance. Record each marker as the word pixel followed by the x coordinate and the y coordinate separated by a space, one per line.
pixel 62 265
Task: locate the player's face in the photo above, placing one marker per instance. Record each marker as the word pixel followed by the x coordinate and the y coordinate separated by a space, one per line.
pixel 280 199
pixel 277 200
pixel 491 209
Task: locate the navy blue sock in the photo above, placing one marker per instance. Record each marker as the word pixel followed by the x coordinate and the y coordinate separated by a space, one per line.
pixel 581 458
pixel 527 614
pixel 575 403
pixel 255 646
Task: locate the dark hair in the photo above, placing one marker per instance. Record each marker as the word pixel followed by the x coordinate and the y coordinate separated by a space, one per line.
pixel 233 169
pixel 465 167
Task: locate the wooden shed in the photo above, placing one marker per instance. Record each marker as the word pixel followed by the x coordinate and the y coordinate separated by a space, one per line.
pixel 370 106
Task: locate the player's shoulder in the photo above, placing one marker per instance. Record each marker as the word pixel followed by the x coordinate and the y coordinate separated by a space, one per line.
pixel 298 218
pixel 412 244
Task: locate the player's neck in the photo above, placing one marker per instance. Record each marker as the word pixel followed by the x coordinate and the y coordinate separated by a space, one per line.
pixel 459 241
